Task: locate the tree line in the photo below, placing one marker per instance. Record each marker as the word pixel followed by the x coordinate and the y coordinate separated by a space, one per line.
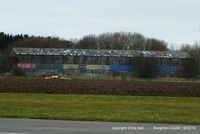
pixel 121 41
pixel 115 41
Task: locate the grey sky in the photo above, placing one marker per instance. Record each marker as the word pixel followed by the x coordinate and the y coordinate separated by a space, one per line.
pixel 175 21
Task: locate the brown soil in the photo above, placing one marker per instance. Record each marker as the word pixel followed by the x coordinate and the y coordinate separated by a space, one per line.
pixel 109 87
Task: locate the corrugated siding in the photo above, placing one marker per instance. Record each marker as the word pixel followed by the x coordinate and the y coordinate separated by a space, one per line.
pixel 161 69
pixel 122 68
pixel 82 67
pixel 180 69
pixel 97 67
pixel 49 66
pixel 173 69
pixel 26 65
pixel 70 66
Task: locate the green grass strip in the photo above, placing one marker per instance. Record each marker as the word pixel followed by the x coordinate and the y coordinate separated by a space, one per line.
pixel 184 110
pixel 114 79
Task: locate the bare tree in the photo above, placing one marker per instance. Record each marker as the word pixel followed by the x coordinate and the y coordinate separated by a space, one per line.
pixel 87 42
pixel 135 41
pixel 121 41
pixel 192 50
pixel 155 45
pixel 191 65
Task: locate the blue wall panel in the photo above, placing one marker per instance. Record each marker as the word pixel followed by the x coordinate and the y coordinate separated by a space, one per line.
pixel 122 68
pixel 161 69
pixel 173 69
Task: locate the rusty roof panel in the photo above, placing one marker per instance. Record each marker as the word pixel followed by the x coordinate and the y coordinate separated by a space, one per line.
pixel 95 52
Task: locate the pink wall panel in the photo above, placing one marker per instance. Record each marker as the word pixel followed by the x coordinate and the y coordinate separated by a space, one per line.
pixel 26 65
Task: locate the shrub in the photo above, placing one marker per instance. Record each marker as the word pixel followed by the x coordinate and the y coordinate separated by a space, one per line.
pixel 18 71
pixel 190 67
pixel 145 66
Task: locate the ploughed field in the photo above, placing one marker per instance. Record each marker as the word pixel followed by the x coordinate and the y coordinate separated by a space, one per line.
pixel 100 87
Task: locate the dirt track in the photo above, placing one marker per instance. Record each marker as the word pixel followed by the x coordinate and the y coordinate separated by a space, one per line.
pixel 100 87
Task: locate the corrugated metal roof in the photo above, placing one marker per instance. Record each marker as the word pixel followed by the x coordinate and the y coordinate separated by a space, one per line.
pixel 95 52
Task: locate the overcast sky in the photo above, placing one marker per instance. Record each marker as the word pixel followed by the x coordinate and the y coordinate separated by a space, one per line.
pixel 175 21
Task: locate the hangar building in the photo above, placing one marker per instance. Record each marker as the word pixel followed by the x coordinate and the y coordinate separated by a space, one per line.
pixel 93 62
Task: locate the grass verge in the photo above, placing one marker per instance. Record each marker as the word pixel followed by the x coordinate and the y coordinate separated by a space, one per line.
pixel 110 78
pixel 184 110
